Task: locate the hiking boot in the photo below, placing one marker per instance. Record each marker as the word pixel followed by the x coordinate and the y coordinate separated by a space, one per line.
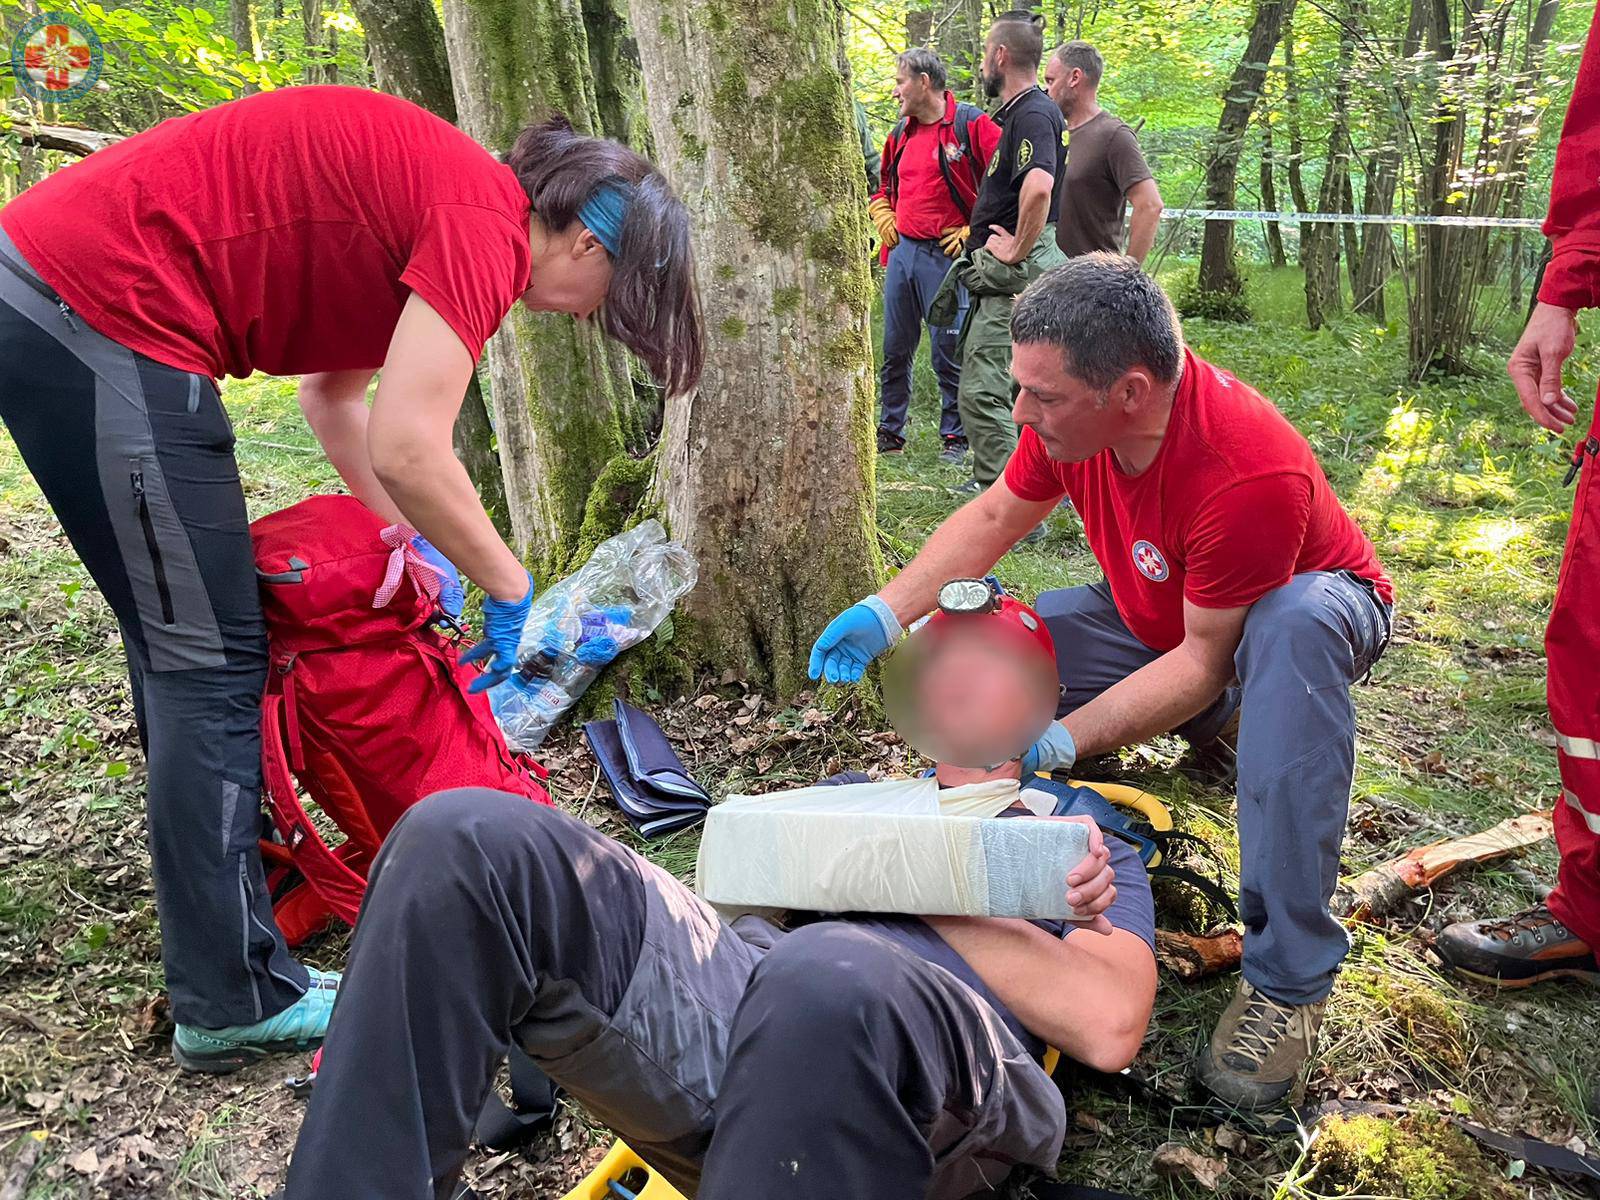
pixel 301 1026
pixel 889 444
pixel 954 452
pixel 970 488
pixel 1514 952
pixel 1258 1048
pixel 1035 535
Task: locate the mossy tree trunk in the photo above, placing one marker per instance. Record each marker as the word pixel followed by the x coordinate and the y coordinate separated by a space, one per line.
pixel 562 395
pixel 766 472
pixel 406 44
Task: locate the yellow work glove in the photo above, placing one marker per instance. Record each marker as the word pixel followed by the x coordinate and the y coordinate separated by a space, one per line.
pixel 954 241
pixel 883 217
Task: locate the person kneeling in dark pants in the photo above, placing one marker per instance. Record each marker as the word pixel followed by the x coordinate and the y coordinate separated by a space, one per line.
pixel 886 1056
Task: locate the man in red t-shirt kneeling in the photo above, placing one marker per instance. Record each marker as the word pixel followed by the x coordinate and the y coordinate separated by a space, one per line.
pixel 1234 582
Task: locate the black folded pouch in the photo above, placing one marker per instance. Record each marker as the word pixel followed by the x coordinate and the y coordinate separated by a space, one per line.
pixel 655 791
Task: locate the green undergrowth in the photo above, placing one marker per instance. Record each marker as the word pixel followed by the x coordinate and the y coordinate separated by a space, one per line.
pixel 1463 498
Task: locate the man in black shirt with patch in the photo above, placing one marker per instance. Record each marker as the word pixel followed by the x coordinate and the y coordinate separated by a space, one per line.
pixel 1013 235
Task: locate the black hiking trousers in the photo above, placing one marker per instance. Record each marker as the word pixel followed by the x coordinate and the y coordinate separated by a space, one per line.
pixel 741 1061
pixel 136 459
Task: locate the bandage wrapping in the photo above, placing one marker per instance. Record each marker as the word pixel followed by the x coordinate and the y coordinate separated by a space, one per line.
pixel 901 846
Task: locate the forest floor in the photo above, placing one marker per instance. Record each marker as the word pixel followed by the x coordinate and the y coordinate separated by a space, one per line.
pixel 1460 493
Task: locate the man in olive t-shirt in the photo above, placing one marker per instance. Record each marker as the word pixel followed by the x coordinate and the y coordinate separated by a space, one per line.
pixel 1104 166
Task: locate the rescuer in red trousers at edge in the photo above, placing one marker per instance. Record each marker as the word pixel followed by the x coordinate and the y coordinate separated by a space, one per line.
pixel 1560 936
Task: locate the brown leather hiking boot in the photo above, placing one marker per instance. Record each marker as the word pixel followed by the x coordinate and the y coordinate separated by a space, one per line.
pixel 1514 952
pixel 1258 1048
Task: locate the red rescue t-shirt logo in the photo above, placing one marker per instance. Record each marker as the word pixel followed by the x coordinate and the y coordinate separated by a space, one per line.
pixel 56 57
pixel 1149 561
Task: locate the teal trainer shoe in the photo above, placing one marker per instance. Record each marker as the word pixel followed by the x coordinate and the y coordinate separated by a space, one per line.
pixel 301 1026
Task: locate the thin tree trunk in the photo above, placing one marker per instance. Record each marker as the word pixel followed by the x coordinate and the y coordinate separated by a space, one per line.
pixel 562 394
pixel 1350 230
pixel 1383 178
pixel 1319 241
pixel 1218 271
pixel 1269 194
pixel 1297 145
pixel 242 26
pixel 1437 305
pixel 765 472
pixel 311 23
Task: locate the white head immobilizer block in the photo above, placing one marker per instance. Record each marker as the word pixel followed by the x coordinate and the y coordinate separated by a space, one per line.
pixel 899 846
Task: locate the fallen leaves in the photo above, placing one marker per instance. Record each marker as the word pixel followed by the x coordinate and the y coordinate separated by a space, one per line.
pixel 1174 1160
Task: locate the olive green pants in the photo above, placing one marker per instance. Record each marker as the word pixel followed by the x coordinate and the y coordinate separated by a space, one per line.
pixel 986 393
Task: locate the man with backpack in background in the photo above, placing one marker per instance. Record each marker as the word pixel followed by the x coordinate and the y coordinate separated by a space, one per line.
pixel 1012 241
pixel 1104 168
pixel 933 162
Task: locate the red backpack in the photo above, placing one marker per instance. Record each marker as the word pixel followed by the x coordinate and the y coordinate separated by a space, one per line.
pixel 365 702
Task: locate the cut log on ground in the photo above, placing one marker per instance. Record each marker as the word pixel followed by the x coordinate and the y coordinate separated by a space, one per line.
pixel 1380 890
pixel 1192 957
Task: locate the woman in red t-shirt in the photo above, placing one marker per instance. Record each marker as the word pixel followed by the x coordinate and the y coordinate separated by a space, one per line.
pixel 327 233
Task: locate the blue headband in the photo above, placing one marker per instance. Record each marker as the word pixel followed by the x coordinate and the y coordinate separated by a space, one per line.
pixel 603 212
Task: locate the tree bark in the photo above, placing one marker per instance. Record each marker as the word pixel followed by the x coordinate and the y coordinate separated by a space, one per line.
pixel 614 67
pixel 562 394
pixel 765 472
pixel 1383 177
pixel 1269 196
pixel 311 24
pixel 1218 271
pixel 243 28
pixel 406 44
pixel 919 26
pixel 1319 241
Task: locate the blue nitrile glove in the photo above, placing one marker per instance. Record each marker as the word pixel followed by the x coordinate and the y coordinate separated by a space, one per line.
pixel 502 634
pixel 853 639
pixel 452 596
pixel 1055 751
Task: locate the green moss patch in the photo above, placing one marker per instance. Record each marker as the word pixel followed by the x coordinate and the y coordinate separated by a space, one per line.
pixel 1418 1157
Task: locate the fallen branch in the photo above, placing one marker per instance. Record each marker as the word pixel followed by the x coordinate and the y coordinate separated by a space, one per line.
pixel 1380 890
pixel 1190 957
pixel 71 139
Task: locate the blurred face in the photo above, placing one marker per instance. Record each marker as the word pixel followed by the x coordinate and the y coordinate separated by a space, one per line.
pixel 911 92
pixel 571 271
pixel 968 695
pixel 1073 420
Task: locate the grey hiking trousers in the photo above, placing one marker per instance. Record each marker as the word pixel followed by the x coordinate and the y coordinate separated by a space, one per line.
pixel 136 459
pixel 741 1061
pixel 1304 645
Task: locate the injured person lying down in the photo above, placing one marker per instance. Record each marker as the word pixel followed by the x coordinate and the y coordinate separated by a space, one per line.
pixel 816 1057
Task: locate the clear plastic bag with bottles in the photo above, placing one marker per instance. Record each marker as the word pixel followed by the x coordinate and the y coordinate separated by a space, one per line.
pixel 614 601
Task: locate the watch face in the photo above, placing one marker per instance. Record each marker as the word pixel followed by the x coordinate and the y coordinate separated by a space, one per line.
pixel 966 596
